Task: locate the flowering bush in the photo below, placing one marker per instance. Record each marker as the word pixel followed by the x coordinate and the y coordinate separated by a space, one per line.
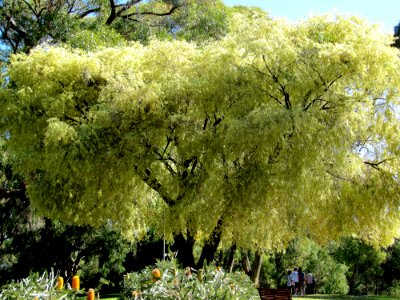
pixel 173 283
pixel 37 287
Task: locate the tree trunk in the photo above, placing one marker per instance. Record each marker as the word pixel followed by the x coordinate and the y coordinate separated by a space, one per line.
pixel 184 249
pixel 353 279
pixel 256 268
pixel 231 259
pixel 211 245
pixel 279 268
pixel 246 264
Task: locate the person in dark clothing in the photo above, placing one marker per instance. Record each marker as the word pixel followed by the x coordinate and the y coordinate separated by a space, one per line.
pixel 302 281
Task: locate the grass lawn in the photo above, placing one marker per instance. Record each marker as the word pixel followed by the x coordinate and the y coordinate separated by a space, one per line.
pixel 346 297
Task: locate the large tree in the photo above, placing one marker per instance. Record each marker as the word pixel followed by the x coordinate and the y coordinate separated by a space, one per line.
pixel 26 23
pixel 274 131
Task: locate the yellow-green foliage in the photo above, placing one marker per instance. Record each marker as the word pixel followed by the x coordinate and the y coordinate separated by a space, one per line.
pixel 210 282
pixel 279 129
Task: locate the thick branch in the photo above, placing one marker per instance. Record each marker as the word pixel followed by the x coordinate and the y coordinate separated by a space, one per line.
pixel 155 185
pixel 375 165
pixel 31 8
pixel 88 12
pixel 211 244
pixel 173 8
pixel 113 14
pixel 122 8
pixel 13 25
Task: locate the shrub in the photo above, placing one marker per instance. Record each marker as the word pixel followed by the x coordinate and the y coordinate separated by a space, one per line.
pixel 42 287
pixel 208 283
pixel 394 290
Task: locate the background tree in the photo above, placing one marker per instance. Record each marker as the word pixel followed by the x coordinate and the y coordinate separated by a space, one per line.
pixel 97 254
pixel 396 36
pixel 15 213
pixel 364 265
pixel 391 269
pixel 311 257
pixel 25 23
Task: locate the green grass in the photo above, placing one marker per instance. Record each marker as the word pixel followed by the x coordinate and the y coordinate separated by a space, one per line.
pixel 345 297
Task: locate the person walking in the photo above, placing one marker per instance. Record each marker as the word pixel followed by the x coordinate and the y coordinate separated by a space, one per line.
pixel 290 282
pixel 310 282
pixel 302 281
pixel 295 278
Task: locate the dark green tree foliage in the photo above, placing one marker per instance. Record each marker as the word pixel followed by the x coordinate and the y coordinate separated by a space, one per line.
pixel 100 253
pixel 26 23
pixel 391 267
pixel 145 253
pixel 364 264
pixel 397 36
pixel 14 206
pixel 311 257
pixel 15 215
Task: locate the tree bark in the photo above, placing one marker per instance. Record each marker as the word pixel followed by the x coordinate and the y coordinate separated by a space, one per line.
pixel 256 268
pixel 353 279
pixel 278 266
pixel 246 264
pixel 184 247
pixel 231 259
pixel 211 245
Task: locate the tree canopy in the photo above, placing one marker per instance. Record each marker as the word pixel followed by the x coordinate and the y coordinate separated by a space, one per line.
pixel 275 130
pixel 26 23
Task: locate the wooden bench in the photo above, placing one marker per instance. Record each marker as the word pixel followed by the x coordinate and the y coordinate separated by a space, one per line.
pixel 274 294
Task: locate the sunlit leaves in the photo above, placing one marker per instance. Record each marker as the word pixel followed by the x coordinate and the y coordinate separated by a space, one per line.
pixel 277 129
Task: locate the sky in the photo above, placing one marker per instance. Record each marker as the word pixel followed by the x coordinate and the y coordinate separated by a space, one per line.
pixel 384 12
